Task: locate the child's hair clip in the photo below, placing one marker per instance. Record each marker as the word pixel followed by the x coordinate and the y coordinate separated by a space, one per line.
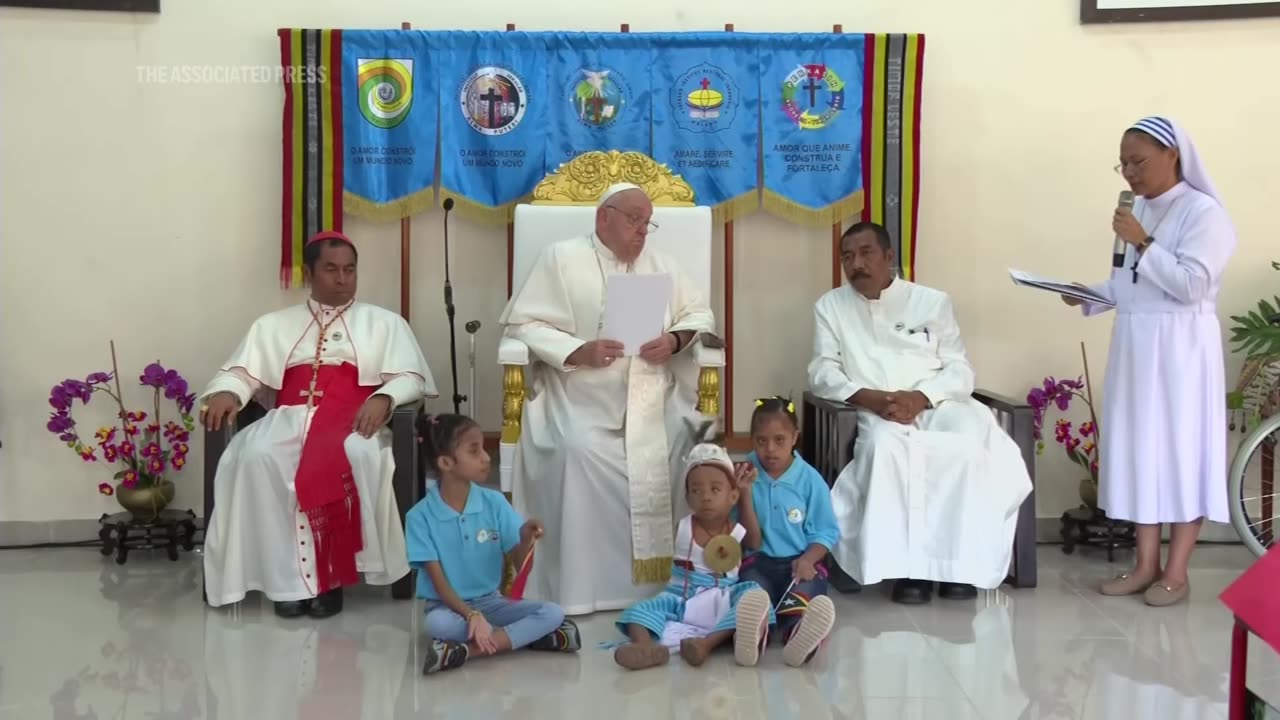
pixel 791 407
pixel 759 402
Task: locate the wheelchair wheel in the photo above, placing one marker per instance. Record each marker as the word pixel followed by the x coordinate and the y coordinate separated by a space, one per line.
pixel 1251 487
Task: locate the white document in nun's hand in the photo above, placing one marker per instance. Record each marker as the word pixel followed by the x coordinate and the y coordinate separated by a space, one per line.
pixel 635 308
pixel 1079 292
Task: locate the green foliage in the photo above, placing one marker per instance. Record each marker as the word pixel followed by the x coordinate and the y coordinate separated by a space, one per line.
pixel 1258 333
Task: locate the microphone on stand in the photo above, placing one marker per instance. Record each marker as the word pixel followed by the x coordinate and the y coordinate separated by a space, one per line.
pixel 450 311
pixel 1118 247
pixel 471 328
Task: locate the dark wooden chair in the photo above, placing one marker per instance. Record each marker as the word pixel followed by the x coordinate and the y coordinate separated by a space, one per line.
pixel 406 482
pixel 829 430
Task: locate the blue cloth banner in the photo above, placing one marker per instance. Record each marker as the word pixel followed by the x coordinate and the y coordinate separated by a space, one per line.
pixel 389 122
pixel 706 117
pixel 811 111
pixel 601 97
pixel 493 117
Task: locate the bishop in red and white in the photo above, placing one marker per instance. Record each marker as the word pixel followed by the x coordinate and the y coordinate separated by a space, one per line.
pixel 303 497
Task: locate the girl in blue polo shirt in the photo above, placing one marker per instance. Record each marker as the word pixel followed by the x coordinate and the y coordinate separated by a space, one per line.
pixel 458 537
pixel 787 513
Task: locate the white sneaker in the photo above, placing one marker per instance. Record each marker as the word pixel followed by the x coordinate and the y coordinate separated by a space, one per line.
pixel 815 625
pixel 751 627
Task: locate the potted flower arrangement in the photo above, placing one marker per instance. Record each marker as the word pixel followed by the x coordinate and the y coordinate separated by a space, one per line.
pixel 1079 442
pixel 144 446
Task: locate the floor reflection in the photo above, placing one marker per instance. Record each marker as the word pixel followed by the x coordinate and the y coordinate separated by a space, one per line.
pixel 86 639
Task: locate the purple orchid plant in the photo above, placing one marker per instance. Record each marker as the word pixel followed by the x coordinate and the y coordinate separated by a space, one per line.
pixel 1079 442
pixel 142 445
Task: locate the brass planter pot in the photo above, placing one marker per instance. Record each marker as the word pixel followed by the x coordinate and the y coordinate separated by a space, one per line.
pixel 146 504
pixel 1089 493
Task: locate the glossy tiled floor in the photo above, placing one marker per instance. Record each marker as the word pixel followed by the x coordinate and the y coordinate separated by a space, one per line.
pixel 83 638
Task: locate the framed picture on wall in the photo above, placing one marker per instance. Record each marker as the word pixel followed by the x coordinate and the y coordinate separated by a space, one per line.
pixel 1115 11
pixel 148 6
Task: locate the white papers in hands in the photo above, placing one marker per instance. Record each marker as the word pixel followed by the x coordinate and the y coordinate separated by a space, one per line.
pixel 635 308
pixel 1079 292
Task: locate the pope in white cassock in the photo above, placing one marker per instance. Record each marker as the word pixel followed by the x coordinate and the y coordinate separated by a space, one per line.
pixel 303 497
pixel 595 459
pixel 935 485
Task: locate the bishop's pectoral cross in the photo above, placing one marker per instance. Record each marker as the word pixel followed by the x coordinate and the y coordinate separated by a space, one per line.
pixel 311 393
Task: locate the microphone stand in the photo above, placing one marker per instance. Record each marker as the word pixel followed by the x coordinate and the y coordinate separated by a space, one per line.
pixel 450 310
pixel 471 328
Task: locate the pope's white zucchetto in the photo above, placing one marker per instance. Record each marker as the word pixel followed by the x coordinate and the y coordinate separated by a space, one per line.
pixel 616 188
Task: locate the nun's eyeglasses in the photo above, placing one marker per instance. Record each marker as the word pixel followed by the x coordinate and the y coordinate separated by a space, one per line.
pixel 1134 166
pixel 634 220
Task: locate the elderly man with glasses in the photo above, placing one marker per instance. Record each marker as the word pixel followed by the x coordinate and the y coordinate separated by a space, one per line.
pixel 594 462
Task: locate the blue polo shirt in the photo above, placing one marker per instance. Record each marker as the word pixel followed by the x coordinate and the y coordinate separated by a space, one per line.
pixel 470 546
pixel 794 510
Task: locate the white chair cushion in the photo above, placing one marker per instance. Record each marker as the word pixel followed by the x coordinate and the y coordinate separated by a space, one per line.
pixel 683 233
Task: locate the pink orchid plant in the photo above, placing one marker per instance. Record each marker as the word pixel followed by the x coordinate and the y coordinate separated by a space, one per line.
pixel 1079 442
pixel 142 445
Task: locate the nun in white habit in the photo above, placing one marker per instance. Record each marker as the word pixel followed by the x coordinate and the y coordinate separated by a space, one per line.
pixel 1163 452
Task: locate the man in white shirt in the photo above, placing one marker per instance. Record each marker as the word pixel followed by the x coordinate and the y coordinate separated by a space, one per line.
pixel 934 488
pixel 303 497
pixel 601 430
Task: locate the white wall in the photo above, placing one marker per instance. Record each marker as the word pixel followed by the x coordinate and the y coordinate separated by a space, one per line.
pixel 150 213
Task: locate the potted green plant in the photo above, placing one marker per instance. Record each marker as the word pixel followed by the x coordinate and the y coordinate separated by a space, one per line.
pixel 1257 335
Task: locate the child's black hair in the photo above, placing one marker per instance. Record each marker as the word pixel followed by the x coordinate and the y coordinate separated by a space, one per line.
pixel 774 405
pixel 438 436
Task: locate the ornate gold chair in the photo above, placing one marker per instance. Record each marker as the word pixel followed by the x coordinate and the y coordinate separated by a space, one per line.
pixel 563 207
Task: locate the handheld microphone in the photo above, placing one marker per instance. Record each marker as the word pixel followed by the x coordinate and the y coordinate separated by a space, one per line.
pixel 450 311
pixel 1117 248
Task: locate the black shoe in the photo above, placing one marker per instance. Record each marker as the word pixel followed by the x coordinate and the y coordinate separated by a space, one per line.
pixel 327 605
pixel 564 639
pixel 293 609
pixel 957 591
pixel 443 655
pixel 912 592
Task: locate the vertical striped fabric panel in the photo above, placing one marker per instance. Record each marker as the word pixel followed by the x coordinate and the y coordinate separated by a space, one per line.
pixel 891 95
pixel 312 194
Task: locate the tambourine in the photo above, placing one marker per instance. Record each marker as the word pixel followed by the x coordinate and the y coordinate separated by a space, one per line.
pixel 722 554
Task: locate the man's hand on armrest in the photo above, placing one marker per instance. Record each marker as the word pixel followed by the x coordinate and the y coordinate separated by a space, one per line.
pixel 219 409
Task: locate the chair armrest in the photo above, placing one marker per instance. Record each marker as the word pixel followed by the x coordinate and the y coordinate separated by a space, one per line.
pixel 709 354
pixel 998 402
pixel 215 444
pixel 829 429
pixel 512 352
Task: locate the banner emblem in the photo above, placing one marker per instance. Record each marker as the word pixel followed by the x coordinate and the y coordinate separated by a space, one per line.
pixel 493 100
pixel 704 99
pixel 599 96
pixel 385 90
pixel 813 96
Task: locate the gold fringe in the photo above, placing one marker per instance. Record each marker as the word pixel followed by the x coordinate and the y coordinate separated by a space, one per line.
pixel 402 207
pixel 651 570
pixel 792 211
pixel 479 212
pixel 734 208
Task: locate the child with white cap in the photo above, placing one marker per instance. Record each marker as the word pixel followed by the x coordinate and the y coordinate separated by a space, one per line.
pixel 703 604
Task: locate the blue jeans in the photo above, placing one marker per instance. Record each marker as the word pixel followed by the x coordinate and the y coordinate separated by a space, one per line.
pixel 774 575
pixel 524 621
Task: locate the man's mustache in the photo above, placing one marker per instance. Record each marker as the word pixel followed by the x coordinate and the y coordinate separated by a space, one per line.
pixel 858 275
